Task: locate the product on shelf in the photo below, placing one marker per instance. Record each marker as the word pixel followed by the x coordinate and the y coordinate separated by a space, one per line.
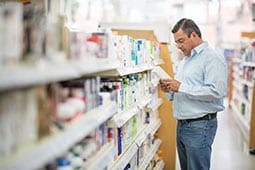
pixel 10 33
pixel 18 120
pixel 45 111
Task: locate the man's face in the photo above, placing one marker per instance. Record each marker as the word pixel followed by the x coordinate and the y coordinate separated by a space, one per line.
pixel 183 42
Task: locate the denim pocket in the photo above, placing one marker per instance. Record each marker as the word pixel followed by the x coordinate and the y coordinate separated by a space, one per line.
pixel 195 134
pixel 199 125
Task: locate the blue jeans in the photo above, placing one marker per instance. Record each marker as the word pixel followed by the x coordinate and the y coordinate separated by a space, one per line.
pixel 194 141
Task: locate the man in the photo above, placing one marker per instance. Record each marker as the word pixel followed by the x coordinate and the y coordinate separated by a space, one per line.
pixel 197 91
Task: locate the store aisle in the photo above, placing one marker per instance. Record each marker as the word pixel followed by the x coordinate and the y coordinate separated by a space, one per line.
pixel 230 152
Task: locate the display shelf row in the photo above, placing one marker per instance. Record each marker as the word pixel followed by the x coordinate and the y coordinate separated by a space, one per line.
pixel 237 70
pixel 250 64
pixel 148 129
pixel 158 62
pixel 101 159
pixel 160 165
pixel 105 155
pixel 127 155
pixel 243 63
pixel 240 97
pixel 47 149
pixel 150 154
pixel 154 106
pixel 237 77
pixel 47 72
pixel 237 85
pixel 131 70
pixel 243 81
pixel 236 60
pixel 242 123
pixel 248 83
pixel 121 118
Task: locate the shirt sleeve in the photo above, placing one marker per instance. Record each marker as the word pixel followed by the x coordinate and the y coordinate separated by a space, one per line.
pixel 215 83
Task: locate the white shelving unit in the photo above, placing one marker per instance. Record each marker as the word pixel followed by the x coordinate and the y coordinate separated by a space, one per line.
pixel 158 62
pixel 127 155
pixel 124 158
pixel 57 144
pixel 148 129
pixel 49 148
pixel 47 72
pixel 244 125
pixel 150 154
pixel 131 70
pixel 242 99
pixel 251 64
pixel 121 118
pixel 45 150
pixel 160 165
pixel 154 106
pixel 101 159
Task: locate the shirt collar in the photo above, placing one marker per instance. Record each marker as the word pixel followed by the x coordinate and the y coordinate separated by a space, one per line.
pixel 199 48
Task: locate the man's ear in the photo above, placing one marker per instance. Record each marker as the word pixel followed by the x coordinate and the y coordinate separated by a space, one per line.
pixel 193 34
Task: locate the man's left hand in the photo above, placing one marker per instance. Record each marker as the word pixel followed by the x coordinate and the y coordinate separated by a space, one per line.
pixel 171 84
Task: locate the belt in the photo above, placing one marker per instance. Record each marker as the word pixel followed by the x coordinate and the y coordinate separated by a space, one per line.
pixel 206 117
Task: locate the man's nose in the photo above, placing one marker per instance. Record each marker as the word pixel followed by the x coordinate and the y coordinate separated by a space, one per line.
pixel 179 45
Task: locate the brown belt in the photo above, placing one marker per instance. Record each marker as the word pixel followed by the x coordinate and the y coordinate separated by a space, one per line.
pixel 206 117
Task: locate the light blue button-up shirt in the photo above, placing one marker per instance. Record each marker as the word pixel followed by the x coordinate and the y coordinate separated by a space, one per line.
pixel 203 78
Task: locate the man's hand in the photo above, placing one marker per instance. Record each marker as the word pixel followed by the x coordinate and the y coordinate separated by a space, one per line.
pixel 167 85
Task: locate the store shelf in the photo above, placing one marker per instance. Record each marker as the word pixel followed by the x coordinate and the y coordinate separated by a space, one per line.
pixel 237 60
pixel 121 118
pixel 127 70
pixel 144 102
pixel 237 77
pixel 242 123
pixel 131 70
pixel 55 145
pixel 250 64
pixel 95 66
pixel 248 83
pixel 148 129
pixel 46 72
pixel 125 157
pixel 241 98
pixel 23 76
pixel 154 127
pixel 237 70
pixel 150 155
pixel 102 158
pixel 160 165
pixel 152 107
pixel 238 86
pixel 158 62
pixel 55 70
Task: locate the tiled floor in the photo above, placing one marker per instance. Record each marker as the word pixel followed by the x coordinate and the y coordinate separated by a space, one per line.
pixel 230 152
